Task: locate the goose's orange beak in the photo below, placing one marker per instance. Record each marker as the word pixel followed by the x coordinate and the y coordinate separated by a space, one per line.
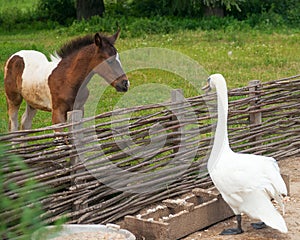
pixel 206 88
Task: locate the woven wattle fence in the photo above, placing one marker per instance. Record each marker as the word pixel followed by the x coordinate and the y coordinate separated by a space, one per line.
pixel 118 162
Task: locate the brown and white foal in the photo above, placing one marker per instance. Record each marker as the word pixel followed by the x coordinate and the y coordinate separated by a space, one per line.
pixel 54 85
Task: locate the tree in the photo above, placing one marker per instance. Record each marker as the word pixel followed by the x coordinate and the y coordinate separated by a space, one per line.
pixel 88 8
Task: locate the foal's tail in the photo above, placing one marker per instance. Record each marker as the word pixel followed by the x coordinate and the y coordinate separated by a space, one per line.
pixel 6 66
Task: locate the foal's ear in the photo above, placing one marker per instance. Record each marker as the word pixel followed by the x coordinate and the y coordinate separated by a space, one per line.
pixel 98 40
pixel 114 37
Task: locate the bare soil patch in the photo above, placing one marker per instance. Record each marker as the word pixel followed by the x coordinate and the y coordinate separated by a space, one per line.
pixel 290 166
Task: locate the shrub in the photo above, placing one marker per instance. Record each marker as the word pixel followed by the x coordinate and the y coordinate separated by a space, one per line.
pixel 10 17
pixel 228 4
pixel 255 10
pixel 61 11
pixel 20 205
pixel 186 8
pixel 139 17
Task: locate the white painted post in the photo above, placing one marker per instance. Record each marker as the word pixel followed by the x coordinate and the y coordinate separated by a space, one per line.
pixel 75 116
pixel 177 97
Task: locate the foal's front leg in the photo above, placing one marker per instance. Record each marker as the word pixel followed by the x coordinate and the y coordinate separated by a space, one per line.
pixel 59 115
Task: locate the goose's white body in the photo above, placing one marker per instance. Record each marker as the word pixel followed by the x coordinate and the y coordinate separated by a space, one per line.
pixel 247 182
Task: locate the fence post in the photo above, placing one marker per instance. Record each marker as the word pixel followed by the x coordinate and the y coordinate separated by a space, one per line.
pixel 74 117
pixel 255 118
pixel 177 97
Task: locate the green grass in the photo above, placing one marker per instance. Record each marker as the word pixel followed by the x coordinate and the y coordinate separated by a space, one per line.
pixel 240 55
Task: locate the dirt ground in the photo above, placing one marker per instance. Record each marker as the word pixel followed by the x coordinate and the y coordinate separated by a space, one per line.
pixel 289 166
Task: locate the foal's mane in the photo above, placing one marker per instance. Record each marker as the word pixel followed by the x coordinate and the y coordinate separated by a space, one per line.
pixel 76 44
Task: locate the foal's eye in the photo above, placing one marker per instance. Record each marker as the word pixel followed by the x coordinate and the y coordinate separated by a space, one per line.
pixel 110 60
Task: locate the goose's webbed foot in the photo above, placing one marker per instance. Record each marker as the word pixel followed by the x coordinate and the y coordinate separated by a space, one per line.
pixel 234 231
pixel 258 225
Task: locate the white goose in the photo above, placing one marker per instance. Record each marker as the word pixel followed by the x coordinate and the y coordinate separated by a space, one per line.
pixel 247 182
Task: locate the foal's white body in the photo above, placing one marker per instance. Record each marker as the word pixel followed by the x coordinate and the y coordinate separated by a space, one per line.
pixel 35 79
pixel 35 89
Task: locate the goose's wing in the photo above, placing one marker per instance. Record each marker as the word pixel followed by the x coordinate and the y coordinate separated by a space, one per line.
pixel 269 172
pixel 257 205
pixel 277 186
pixel 247 183
pixel 244 173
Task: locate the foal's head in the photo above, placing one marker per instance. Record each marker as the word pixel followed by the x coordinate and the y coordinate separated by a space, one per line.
pixel 110 67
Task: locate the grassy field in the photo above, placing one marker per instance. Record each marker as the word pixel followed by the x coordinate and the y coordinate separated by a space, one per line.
pixel 239 55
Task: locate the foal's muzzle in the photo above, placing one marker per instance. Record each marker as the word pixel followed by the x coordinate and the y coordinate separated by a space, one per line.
pixel 123 85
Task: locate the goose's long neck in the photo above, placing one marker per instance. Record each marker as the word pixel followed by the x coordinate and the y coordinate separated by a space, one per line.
pixel 221 143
